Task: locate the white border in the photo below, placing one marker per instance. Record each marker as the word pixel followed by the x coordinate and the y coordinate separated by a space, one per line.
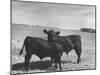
pixel 5 36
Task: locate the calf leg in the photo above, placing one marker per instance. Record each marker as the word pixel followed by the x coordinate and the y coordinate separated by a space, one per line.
pixel 51 59
pixel 55 60
pixel 27 59
pixel 59 62
pixel 78 52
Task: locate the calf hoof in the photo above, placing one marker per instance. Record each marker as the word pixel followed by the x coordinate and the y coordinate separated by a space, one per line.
pixel 56 67
pixel 26 69
pixel 78 62
pixel 61 70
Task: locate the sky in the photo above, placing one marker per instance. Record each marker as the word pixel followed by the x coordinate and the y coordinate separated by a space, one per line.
pixel 64 16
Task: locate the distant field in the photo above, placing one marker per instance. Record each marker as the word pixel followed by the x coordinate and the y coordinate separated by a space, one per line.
pixel 19 32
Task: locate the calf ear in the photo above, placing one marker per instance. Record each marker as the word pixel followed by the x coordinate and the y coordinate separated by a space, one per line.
pixel 45 31
pixel 58 32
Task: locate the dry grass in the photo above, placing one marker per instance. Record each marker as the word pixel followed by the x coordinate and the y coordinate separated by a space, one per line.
pixel 19 32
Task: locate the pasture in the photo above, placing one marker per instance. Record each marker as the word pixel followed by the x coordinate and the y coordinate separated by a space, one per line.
pixel 19 32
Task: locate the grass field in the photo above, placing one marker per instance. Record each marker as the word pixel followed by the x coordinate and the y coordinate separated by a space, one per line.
pixel 19 32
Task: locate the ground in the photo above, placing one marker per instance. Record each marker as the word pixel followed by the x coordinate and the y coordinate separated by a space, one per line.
pixel 19 32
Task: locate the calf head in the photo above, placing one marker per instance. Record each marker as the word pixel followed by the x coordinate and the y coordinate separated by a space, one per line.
pixel 52 35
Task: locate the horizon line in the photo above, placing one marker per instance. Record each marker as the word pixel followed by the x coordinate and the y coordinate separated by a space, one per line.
pixel 52 26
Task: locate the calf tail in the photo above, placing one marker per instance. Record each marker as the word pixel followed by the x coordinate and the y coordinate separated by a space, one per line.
pixel 22 48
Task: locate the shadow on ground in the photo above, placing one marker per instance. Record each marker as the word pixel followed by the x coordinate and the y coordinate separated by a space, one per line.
pixel 41 65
